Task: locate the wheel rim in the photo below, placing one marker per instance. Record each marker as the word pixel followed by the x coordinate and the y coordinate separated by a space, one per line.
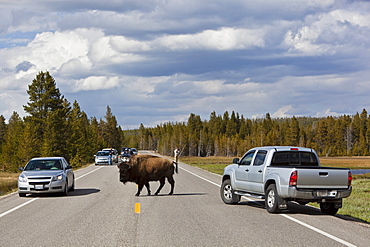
pixel 271 199
pixel 228 192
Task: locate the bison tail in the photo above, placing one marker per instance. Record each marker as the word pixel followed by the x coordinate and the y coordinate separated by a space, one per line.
pixel 176 167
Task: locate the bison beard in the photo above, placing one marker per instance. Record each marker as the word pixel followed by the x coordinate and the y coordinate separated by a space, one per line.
pixel 141 169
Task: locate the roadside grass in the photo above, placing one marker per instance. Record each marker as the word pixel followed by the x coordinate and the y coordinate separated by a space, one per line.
pixel 354 162
pixel 8 182
pixel 357 205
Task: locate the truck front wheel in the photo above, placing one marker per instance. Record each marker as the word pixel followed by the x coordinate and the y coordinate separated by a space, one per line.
pixel 227 193
pixel 272 199
pixel 328 208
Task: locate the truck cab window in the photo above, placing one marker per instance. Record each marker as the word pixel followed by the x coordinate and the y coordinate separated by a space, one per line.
pixel 260 158
pixel 247 159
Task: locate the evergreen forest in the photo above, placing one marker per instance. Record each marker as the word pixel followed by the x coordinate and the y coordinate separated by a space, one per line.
pixel 55 127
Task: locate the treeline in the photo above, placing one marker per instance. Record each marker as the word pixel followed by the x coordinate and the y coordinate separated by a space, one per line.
pixel 233 135
pixel 54 127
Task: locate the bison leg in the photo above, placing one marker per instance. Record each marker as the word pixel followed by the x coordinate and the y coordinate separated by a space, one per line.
pixel 147 188
pixel 139 188
pixel 172 182
pixel 162 182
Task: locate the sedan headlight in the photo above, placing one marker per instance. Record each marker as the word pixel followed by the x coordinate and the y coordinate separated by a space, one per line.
pixel 58 177
pixel 22 178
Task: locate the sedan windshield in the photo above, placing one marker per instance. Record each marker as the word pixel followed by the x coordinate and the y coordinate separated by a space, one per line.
pixel 102 154
pixel 36 165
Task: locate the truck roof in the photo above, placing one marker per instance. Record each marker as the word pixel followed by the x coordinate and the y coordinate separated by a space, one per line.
pixel 284 148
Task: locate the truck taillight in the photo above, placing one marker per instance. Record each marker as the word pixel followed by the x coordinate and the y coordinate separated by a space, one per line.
pixel 293 178
pixel 349 178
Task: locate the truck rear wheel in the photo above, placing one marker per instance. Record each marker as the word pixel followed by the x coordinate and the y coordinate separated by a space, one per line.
pixel 227 193
pixel 328 208
pixel 272 199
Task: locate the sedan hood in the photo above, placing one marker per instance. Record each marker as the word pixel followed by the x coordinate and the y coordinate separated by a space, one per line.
pixel 42 173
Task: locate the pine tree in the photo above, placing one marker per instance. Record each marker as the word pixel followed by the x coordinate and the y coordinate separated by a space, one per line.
pixel 12 139
pixel 110 128
pixel 294 131
pixel 47 111
pixel 2 130
pixel 78 145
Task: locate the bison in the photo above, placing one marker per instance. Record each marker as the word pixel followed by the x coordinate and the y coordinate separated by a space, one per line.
pixel 141 169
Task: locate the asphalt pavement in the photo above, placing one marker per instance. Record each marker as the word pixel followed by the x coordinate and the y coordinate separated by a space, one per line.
pixel 104 212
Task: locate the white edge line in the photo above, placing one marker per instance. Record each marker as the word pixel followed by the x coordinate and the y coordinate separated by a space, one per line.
pixel 18 207
pixel 318 230
pixel 286 216
pixel 89 172
pixel 209 181
pixel 34 199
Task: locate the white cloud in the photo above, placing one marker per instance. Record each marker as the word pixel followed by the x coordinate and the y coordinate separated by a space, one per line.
pixel 96 83
pixel 222 39
pixel 328 33
pixel 170 58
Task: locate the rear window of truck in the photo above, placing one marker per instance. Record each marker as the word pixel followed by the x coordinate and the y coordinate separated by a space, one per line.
pixel 296 158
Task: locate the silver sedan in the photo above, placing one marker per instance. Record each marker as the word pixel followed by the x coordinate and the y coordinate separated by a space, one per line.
pixel 46 175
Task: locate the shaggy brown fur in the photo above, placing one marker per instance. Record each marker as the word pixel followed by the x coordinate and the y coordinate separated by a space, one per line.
pixel 144 168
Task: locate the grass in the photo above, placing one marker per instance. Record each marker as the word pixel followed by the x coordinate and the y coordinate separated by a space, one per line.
pixel 357 205
pixel 8 182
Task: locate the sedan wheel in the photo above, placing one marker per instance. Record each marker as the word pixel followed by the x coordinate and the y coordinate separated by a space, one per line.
pixel 65 192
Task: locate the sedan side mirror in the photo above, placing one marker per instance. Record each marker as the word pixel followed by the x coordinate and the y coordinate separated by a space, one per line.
pixel 235 160
pixel 69 167
pixel 21 168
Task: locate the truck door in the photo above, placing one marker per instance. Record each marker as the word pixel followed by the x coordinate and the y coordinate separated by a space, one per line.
pixel 241 173
pixel 256 172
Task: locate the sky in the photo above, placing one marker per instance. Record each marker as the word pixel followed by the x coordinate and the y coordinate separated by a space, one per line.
pixel 158 61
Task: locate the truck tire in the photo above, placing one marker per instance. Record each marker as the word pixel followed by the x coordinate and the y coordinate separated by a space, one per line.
pixel 328 208
pixel 227 193
pixel 272 199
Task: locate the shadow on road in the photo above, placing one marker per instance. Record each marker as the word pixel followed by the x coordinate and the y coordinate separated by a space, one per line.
pixel 294 208
pixel 76 192
pixel 177 194
pixel 83 192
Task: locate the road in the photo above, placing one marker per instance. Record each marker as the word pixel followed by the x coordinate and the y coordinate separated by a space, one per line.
pixel 104 212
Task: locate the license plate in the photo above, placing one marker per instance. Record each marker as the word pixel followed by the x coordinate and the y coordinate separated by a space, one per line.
pixel 39 187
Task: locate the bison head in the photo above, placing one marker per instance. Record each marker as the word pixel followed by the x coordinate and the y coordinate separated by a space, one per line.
pixel 124 172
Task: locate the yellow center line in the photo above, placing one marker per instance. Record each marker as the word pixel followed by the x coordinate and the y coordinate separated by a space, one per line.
pixel 137 208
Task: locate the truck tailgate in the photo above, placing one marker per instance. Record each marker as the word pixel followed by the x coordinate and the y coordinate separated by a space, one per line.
pixel 322 178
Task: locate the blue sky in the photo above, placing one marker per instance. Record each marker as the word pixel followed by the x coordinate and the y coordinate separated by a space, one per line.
pixel 156 61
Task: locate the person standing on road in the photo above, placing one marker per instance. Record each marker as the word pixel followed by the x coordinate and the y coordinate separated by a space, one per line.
pixel 110 157
pixel 176 154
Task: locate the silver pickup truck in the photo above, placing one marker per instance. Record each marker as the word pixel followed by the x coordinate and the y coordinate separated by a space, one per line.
pixel 282 174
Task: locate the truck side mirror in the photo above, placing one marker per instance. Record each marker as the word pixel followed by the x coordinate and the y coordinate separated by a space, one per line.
pixel 235 160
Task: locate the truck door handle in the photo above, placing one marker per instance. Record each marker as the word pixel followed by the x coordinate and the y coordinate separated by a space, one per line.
pixel 259 171
pixel 247 170
pixel 323 173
